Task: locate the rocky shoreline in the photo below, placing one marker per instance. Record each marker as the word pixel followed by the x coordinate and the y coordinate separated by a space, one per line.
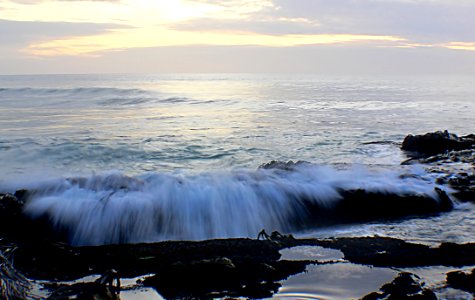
pixel 221 268
pixel 30 252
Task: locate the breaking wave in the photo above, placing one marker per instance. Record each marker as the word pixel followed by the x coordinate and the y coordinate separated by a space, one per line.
pixel 115 208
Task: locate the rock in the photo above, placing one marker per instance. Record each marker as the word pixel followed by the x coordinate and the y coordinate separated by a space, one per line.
pixel 11 216
pixel 286 166
pixel 44 261
pixel 462 281
pixel 463 156
pixel 464 186
pixel 17 226
pixel 362 206
pixel 10 206
pixel 88 290
pixel 13 285
pixel 101 288
pixel 108 278
pixel 436 143
pixel 216 268
pixel 353 206
pixel 390 252
pixel 404 286
pixel 208 279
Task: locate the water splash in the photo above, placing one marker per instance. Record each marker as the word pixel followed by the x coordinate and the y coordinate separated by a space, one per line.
pixel 114 208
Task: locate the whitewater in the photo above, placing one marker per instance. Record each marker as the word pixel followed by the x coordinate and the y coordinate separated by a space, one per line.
pixel 141 158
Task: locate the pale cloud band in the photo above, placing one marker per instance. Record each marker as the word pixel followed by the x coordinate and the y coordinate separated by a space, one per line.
pixel 236 22
pixel 95 28
pixel 143 38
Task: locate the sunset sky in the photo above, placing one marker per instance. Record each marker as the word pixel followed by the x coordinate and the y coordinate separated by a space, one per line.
pixel 317 36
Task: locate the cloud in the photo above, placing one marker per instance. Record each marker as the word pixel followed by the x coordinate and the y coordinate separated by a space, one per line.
pixel 238 8
pixel 41 1
pixel 460 46
pixel 300 35
pixel 422 20
pixel 322 59
pixel 271 26
pixel 21 33
pixel 142 38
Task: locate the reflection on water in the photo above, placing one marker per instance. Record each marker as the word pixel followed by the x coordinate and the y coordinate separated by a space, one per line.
pixel 325 282
pixel 140 294
pixel 455 226
pixel 311 253
pixel 435 279
pixel 335 281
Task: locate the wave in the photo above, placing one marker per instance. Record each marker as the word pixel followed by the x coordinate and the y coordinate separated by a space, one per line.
pixel 115 208
pixel 73 96
pixel 101 96
pixel 62 91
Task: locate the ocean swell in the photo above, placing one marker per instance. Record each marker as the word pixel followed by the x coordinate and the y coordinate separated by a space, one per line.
pixel 114 208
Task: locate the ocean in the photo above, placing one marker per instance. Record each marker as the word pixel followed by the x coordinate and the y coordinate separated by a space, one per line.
pixel 142 158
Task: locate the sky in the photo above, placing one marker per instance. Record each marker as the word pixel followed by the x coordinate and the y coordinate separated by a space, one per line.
pixel 256 36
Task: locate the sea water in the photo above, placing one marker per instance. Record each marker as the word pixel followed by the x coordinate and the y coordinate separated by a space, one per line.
pixel 154 157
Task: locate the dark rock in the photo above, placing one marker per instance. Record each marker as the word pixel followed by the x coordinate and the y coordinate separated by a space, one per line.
pixel 208 279
pixel 46 261
pixel 88 290
pixel 466 194
pixel 362 206
pixel 63 262
pixel 462 281
pixel 404 286
pixel 460 180
pixel 436 143
pixel 389 252
pixel 286 166
pixel 11 214
pixel 102 288
pixel 13 285
pixel 464 184
pixel 16 225
pixel 462 156
pixel 10 206
pixel 22 195
pixel 218 268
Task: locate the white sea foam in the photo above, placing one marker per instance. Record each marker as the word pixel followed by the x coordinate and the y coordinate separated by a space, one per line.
pixel 114 208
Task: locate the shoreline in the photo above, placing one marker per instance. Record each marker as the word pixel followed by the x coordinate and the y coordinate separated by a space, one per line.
pixel 225 268
pixel 34 252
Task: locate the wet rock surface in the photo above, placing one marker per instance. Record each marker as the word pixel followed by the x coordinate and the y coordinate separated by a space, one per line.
pixel 389 252
pixel 404 286
pixel 215 268
pixel 438 142
pixel 14 223
pixel 91 290
pixel 450 156
pixel 13 285
pixel 282 165
pixel 463 184
pixel 461 280
pixel 460 157
pixel 361 206
pixel 223 277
